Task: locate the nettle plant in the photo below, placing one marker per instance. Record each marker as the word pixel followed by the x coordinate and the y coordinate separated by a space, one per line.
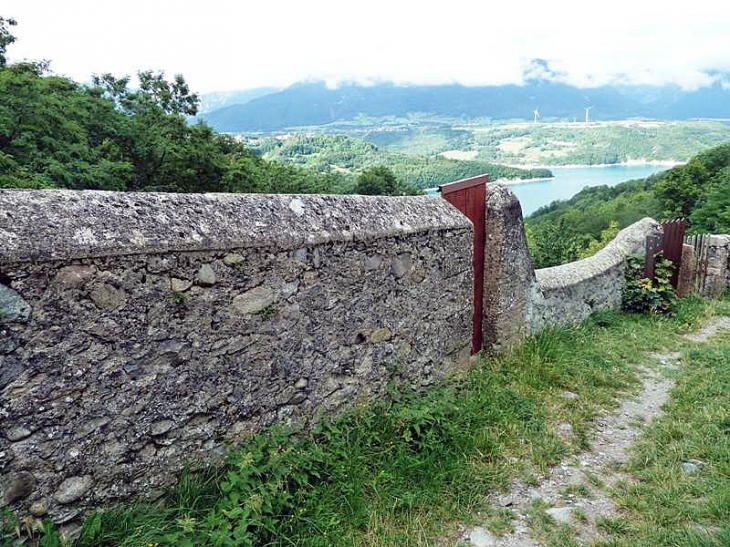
pixel 644 295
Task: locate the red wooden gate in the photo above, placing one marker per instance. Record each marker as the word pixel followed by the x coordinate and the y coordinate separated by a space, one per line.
pixel 470 197
pixel 670 245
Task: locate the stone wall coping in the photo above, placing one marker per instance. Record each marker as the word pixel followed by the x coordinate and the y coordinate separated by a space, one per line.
pixel 629 240
pixel 720 240
pixel 46 225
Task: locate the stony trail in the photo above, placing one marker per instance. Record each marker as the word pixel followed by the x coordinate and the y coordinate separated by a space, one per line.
pixel 615 434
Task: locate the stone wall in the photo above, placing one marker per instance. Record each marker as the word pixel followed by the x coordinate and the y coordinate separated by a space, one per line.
pixel 141 332
pixel 709 266
pixel 520 301
pixel 570 293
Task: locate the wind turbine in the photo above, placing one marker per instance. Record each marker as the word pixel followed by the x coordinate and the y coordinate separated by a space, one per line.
pixel 536 113
pixel 588 108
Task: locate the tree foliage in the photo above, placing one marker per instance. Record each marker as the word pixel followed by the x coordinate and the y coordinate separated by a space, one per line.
pixel 56 133
pixel 350 156
pixel 5 38
pixel 380 181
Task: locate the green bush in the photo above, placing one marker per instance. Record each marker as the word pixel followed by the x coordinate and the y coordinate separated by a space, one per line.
pixel 643 295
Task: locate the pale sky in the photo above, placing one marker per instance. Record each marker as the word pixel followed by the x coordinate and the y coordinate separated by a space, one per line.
pixel 225 45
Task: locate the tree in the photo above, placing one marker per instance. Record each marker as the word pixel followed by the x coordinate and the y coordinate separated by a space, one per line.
pixel 5 38
pixel 380 181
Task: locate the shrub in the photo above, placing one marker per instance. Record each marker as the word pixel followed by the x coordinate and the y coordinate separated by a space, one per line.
pixel 643 295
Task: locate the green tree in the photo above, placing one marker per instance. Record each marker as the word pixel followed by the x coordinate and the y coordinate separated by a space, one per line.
pixel 380 181
pixel 5 38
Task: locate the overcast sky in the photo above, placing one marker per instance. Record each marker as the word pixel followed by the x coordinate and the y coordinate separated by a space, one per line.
pixel 227 45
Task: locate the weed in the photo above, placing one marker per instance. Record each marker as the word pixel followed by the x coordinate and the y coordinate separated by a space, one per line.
pixel 648 295
pixel 576 490
pixel 580 516
pixel 269 312
pixel 613 525
pixel 180 298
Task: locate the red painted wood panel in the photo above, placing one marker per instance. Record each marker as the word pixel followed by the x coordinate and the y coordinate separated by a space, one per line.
pixel 470 197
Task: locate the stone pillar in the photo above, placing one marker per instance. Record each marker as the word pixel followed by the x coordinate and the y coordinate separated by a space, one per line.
pixel 686 271
pixel 718 255
pixel 509 278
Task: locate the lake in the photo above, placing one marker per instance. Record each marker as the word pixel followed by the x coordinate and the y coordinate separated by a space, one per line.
pixel 568 181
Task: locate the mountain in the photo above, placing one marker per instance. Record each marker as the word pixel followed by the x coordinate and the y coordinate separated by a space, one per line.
pixel 220 99
pixel 313 103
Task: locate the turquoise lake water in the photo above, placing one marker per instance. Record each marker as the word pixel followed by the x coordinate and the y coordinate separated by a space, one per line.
pixel 568 181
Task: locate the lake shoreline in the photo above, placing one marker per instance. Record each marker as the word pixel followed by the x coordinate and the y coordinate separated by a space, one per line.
pixel 628 163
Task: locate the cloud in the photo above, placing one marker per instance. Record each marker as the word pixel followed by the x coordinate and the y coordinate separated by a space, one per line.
pixel 227 44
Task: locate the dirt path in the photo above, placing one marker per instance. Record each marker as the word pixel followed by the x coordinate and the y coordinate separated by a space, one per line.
pixel 575 490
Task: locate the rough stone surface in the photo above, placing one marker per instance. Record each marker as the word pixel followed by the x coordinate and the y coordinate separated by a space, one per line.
pixel 16 486
pixel 73 488
pixel 510 285
pixel 689 468
pixel 12 306
pixel 206 275
pixel 561 514
pixel 18 433
pixel 570 293
pixel 68 224
pixel 255 300
pixel 121 383
pixel 481 537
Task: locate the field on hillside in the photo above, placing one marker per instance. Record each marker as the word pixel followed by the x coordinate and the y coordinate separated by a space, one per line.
pixel 550 143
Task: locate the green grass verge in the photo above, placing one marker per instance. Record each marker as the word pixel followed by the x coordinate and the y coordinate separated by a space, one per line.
pixel 661 503
pixel 407 469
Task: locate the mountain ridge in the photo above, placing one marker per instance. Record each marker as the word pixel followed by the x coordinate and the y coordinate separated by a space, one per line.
pixel 314 103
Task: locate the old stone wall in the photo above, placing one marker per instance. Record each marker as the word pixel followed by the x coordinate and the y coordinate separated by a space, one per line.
pixel 141 332
pixel 520 301
pixel 710 275
pixel 570 293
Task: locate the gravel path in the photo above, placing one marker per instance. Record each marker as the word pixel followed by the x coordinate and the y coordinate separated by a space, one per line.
pixel 616 432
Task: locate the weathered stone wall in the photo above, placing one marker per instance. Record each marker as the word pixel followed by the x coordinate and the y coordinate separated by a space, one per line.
pixel 570 293
pixel 520 301
pixel 144 331
pixel 713 277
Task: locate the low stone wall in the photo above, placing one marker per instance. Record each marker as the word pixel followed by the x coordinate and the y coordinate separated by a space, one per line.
pixel 570 293
pixel 141 332
pixel 520 301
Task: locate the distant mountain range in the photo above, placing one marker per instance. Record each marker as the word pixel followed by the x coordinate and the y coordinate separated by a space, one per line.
pixel 313 103
pixel 220 99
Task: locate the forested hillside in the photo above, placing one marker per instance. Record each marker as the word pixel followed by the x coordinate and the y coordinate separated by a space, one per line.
pixel 342 154
pixel 56 133
pixel 699 191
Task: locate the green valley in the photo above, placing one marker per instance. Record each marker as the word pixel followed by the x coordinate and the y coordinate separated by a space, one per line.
pixel 346 155
pixel 551 143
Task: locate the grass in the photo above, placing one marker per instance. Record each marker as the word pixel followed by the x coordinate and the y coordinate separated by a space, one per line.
pixel 408 469
pixel 661 504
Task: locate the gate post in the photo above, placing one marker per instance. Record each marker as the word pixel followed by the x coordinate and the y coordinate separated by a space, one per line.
pixel 470 197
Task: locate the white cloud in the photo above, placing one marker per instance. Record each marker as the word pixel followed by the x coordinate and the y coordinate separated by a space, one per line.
pixel 224 45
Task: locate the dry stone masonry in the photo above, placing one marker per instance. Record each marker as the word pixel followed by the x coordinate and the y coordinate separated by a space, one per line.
pixel 142 332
